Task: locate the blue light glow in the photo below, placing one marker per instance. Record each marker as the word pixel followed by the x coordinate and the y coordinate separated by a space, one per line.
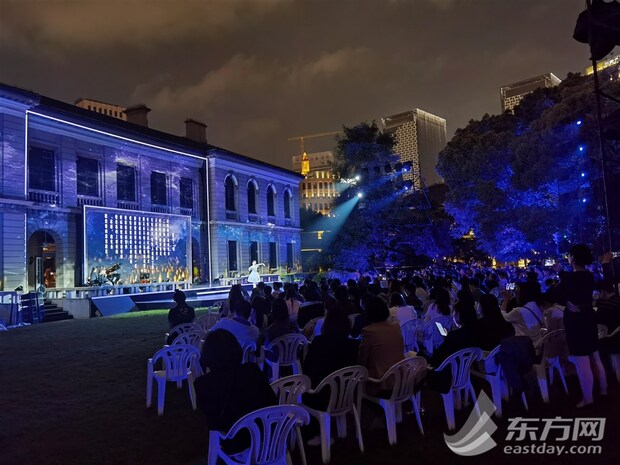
pixel 581 148
pixel 579 123
pixel 583 175
pixel 360 195
pixel 584 200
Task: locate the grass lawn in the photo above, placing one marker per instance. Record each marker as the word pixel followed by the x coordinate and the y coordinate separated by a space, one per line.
pixel 73 393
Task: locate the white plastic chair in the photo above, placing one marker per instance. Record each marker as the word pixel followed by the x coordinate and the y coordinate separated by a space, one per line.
pixel 491 371
pixel 289 390
pixel 403 374
pixel 459 364
pixel 207 321
pixel 180 329
pixel 345 388
pixel 553 347
pixel 287 348
pixel 177 362
pixel 269 429
pixel 411 329
pixel 249 352
pixel 192 338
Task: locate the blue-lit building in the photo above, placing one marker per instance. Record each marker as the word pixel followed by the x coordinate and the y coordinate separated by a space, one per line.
pixel 164 207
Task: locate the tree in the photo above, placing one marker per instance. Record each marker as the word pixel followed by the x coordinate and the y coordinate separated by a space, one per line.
pixel 390 225
pixel 526 181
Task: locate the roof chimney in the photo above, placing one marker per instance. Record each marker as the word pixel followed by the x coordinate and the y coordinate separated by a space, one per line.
pixel 196 130
pixel 137 114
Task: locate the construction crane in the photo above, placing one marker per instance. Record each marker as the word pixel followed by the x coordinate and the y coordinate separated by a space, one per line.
pixel 312 136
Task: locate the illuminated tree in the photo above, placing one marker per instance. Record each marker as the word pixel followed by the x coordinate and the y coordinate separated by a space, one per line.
pixel 528 182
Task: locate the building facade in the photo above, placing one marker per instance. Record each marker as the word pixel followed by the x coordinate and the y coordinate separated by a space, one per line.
pixel 512 94
pixel 420 136
pixel 108 109
pixel 81 190
pixel 611 66
pixel 319 188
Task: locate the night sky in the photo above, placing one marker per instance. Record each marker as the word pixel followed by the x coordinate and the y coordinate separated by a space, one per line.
pixel 260 71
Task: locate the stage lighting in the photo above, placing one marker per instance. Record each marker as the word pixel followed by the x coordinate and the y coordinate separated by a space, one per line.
pixel 581 148
pixel 358 177
pixel 578 123
pixel 360 195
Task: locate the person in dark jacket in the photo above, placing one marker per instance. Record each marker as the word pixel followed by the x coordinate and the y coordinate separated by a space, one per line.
pixel 282 324
pixel 230 389
pixel 180 313
pixel 492 327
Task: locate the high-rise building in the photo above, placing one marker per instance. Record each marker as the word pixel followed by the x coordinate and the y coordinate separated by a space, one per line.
pixel 420 136
pixel 109 109
pixel 611 65
pixel 319 189
pixel 512 94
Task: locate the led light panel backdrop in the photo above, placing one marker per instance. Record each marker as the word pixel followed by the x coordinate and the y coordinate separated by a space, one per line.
pixel 128 247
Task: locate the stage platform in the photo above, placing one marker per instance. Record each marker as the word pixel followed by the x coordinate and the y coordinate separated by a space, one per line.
pixel 199 296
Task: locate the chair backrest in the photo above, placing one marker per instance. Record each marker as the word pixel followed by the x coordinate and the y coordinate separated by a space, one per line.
pixel 249 352
pixel 177 360
pixel 269 429
pixel 460 362
pixel 192 338
pixel 490 363
pixel 207 321
pixel 290 388
pixel 287 348
pixel 183 328
pixel 410 330
pixel 404 374
pixel 553 344
pixel 345 388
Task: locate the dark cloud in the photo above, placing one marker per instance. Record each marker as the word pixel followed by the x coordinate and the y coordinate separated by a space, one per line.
pixel 260 71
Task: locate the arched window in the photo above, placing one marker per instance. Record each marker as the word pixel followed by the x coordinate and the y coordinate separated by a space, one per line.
pixel 287 203
pixel 252 189
pixel 230 185
pixel 271 201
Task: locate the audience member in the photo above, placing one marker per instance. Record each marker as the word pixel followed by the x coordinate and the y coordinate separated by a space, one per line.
pixel 239 325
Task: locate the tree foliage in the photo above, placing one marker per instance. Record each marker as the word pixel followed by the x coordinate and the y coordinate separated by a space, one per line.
pixel 526 181
pixel 389 225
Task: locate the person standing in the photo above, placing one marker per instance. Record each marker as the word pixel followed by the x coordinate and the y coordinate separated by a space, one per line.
pixel 575 292
pixel 254 277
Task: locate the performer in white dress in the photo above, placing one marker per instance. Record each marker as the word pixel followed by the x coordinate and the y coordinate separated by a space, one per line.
pixel 254 277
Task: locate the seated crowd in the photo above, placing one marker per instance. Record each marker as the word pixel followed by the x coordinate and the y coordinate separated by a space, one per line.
pixel 359 323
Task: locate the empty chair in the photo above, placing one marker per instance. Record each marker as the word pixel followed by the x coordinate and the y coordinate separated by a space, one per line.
pixel 192 338
pixel 285 351
pixel 268 428
pixel 345 389
pixel 289 390
pixel 207 321
pixel 459 364
pixel 180 329
pixel 410 330
pixel 553 348
pixel 249 352
pixel 177 362
pixel 404 375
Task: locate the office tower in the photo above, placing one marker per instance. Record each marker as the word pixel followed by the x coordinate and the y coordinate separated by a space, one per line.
pixel 512 94
pixel 319 189
pixel 420 136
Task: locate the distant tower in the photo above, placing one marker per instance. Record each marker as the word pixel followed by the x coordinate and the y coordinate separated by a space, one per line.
pixel 109 109
pixel 319 190
pixel 420 136
pixel 512 94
